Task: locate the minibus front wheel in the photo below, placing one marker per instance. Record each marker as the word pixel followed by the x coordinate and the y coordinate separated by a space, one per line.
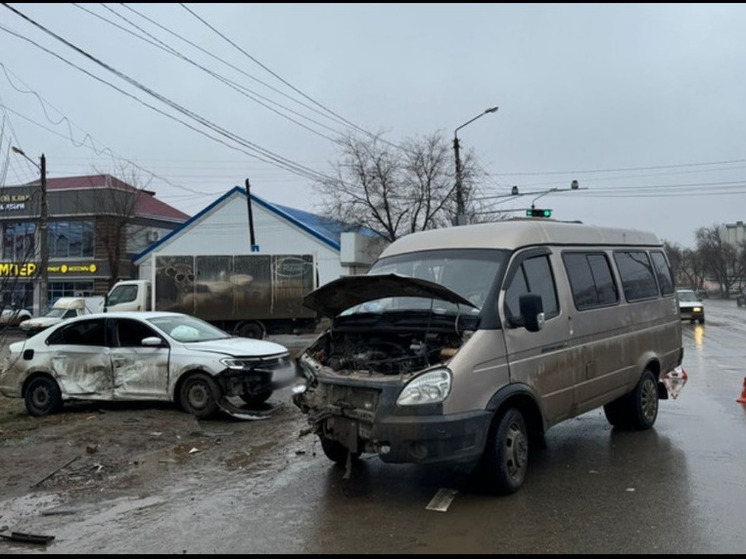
pixel 505 459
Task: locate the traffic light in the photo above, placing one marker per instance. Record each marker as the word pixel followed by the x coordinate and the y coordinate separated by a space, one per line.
pixel 536 212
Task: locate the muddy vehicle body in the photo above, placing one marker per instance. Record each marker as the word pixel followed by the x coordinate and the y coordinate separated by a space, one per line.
pixel 462 346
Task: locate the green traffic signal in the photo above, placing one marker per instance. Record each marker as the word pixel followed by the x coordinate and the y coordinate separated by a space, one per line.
pixel 534 212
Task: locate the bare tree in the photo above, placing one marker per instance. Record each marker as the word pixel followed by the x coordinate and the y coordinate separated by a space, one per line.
pixel 116 206
pixel 721 260
pixel 396 190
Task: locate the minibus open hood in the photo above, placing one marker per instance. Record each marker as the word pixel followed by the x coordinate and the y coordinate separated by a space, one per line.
pixel 336 296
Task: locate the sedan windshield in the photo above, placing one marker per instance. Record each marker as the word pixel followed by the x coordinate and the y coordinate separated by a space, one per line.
pixel 469 273
pixel 188 329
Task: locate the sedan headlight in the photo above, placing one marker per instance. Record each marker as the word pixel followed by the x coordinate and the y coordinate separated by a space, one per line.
pixel 428 388
pixel 239 364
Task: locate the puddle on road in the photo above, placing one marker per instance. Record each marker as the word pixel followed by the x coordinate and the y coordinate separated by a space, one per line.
pixel 247 458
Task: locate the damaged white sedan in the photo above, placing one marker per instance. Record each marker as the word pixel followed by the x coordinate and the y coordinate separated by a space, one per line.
pixel 144 356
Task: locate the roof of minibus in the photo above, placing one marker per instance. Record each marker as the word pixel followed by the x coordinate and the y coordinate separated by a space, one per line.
pixel 516 233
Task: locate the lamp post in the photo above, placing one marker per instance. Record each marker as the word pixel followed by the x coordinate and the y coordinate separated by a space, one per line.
pixel 460 206
pixel 43 241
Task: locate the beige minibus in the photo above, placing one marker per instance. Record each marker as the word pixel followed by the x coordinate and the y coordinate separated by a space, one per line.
pixel 463 345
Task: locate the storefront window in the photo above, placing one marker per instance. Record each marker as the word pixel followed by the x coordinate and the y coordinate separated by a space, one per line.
pixel 18 242
pixel 70 239
pixel 59 289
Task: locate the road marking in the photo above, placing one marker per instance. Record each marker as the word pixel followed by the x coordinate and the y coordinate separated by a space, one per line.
pixel 442 500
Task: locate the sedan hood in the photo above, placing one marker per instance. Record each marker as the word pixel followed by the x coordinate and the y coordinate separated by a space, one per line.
pixel 239 347
pixel 336 296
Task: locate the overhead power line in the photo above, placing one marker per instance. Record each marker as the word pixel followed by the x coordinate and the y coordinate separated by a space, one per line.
pixel 266 155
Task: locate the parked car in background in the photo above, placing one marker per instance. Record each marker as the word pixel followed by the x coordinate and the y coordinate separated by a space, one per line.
pixel 62 309
pixel 141 356
pixel 691 306
pixel 741 299
pixel 13 316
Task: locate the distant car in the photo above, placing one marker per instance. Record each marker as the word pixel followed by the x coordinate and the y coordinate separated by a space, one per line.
pixel 140 356
pixel 62 309
pixel 691 306
pixel 33 325
pixel 741 299
pixel 13 316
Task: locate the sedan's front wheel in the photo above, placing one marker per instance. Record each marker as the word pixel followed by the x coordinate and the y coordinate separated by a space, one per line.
pixel 199 395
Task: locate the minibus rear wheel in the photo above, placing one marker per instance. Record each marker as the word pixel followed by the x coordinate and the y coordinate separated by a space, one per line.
pixel 505 460
pixel 637 410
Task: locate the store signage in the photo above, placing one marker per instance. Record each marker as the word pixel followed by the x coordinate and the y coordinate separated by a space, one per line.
pixel 73 268
pixel 27 269
pixel 8 269
pixel 13 201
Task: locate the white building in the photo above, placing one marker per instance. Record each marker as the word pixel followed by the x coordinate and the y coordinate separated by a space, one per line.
pixel 225 228
pixel 733 233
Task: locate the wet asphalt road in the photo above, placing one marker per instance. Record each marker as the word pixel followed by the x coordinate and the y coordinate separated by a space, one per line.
pixel 678 488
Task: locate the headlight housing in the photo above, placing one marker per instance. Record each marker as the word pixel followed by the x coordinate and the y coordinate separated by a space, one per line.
pixel 240 364
pixel 429 388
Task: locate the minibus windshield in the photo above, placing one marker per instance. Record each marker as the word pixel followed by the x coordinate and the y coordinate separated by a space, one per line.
pixel 468 272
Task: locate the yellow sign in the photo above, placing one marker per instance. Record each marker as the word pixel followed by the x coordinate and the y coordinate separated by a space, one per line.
pixel 73 268
pixel 20 270
pixel 11 269
pixel 15 197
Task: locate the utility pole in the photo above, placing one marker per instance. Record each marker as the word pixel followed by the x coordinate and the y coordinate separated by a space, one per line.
pixel 44 240
pixel 460 204
pixel 43 287
pixel 460 209
pixel 252 239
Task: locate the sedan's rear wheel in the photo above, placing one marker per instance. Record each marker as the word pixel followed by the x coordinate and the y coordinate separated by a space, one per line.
pixel 43 397
pixel 199 395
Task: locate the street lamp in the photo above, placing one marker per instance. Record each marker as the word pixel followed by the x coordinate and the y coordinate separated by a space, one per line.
pixel 460 209
pixel 43 241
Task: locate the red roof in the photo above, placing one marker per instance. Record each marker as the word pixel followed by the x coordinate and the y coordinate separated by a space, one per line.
pixel 146 205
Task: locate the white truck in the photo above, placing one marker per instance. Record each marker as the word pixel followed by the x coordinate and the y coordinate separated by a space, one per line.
pixel 246 295
pixel 62 309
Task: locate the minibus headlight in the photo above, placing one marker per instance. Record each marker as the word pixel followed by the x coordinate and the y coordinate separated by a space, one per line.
pixel 429 388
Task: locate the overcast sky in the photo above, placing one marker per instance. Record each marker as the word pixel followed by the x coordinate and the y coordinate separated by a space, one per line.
pixel 643 104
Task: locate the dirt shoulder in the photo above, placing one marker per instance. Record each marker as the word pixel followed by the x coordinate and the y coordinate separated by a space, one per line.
pixel 106 450
pixel 117 449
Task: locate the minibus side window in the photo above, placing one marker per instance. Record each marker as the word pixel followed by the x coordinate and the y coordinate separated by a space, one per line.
pixel 636 272
pixel 591 280
pixel 534 275
pixel 663 272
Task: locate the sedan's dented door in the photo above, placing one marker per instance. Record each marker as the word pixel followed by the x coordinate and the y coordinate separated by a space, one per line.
pixel 80 359
pixel 139 371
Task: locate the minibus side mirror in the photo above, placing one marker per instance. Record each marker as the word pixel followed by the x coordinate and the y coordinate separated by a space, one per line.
pixel 532 311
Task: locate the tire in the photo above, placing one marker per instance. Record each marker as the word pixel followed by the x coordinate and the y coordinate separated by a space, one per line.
pixel 637 410
pixel 505 459
pixel 251 330
pixel 336 452
pixel 43 397
pixel 199 395
pixel 257 400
